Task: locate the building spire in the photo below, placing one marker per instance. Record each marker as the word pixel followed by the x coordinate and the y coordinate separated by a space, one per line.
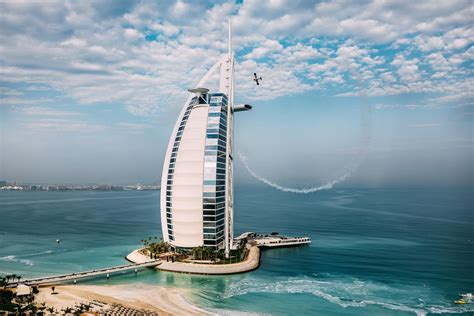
pixel 230 38
pixel 227 68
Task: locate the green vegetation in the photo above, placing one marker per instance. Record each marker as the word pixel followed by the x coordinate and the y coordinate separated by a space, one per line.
pixel 234 256
pixel 217 256
pixel 155 247
pixel 30 308
pixel 204 253
pixel 17 306
pixel 7 295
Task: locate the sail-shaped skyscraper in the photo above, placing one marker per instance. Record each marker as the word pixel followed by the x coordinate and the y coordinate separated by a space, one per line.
pixel 197 181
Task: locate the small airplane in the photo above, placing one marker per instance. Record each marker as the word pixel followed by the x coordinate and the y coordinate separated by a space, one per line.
pixel 256 79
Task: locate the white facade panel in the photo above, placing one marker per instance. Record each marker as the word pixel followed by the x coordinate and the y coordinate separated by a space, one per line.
pixel 186 215
pixel 188 191
pixel 188 178
pixel 191 145
pixel 189 155
pixel 187 167
pixel 187 239
pixel 185 203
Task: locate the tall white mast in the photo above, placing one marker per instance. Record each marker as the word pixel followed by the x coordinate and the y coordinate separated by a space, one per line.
pixel 227 86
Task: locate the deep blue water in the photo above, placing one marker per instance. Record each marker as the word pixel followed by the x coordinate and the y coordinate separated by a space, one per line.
pixel 379 251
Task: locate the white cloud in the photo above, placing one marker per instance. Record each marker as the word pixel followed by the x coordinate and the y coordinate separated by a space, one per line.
pixel 265 48
pixel 333 79
pixel 132 34
pixel 427 125
pixel 96 52
pixel 45 111
pixel 167 29
pixel 388 77
pixel 454 39
pixel 135 126
pixel 61 125
pixel 18 99
pixel 407 69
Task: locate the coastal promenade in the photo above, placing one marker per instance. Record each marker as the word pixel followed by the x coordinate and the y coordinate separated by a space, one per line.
pixel 251 262
pixel 86 274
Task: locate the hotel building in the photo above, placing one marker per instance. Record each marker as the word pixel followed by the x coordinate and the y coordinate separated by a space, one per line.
pixel 197 180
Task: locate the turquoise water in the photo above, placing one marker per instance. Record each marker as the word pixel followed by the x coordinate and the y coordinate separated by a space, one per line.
pixel 374 252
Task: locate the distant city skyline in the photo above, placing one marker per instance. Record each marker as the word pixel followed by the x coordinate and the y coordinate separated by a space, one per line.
pixel 89 92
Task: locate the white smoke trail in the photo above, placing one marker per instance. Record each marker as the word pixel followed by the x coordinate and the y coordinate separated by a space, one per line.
pixel 366 124
pixel 326 186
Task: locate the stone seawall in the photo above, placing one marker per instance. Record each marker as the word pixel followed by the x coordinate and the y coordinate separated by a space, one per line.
pixel 251 262
pixel 136 257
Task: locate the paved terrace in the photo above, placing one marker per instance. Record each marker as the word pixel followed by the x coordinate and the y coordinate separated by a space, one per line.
pixel 86 274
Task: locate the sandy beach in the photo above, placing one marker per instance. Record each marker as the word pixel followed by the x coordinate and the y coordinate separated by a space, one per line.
pixel 164 301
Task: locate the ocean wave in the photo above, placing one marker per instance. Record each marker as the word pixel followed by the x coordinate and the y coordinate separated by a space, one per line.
pixel 229 312
pixel 351 293
pixel 35 254
pixel 28 255
pixel 15 259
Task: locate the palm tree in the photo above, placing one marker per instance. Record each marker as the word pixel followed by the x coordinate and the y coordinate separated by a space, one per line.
pixel 210 253
pixel 18 278
pixel 42 306
pixel 3 283
pixel 201 251
pixel 205 253
pixel 195 252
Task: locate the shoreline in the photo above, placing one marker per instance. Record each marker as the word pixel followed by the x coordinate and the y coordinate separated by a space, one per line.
pixel 158 299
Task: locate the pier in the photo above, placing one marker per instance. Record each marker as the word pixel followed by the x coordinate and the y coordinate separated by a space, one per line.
pixel 272 240
pixel 55 279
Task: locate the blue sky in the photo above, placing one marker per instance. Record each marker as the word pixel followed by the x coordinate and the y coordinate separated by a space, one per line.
pixel 89 91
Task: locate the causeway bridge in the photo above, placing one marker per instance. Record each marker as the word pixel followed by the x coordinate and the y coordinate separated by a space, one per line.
pixel 55 279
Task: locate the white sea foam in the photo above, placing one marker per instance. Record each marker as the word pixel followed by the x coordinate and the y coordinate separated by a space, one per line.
pixel 15 259
pixel 350 293
pixel 37 253
pixel 228 312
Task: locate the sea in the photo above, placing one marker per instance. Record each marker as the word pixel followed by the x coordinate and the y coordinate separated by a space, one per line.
pixel 374 251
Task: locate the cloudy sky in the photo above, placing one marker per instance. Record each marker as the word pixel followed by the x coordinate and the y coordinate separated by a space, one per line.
pixel 90 90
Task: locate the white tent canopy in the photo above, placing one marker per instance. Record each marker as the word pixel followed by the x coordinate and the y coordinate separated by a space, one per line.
pixel 23 290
